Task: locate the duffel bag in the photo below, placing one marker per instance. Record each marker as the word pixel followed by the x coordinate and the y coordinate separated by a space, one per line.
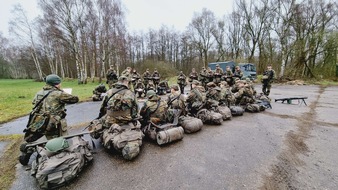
pixel 236 110
pixel 253 108
pixel 210 117
pixel 190 124
pixel 225 111
pixel 55 169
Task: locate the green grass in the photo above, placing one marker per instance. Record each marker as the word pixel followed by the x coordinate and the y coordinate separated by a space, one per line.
pixel 16 95
pixel 8 160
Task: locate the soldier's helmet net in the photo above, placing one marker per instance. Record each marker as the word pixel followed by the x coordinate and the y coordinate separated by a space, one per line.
pixel 53 79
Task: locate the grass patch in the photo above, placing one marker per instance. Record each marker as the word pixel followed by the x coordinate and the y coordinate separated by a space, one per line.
pixel 9 160
pixel 16 95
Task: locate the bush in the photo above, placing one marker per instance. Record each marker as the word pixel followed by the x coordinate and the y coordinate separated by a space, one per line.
pixel 166 70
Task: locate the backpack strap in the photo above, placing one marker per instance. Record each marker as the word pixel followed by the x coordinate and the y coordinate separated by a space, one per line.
pixel 175 98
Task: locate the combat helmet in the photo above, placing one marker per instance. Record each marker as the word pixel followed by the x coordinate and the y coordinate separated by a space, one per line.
pixel 56 144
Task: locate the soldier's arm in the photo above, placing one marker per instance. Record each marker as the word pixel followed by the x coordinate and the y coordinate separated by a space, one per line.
pixel 68 98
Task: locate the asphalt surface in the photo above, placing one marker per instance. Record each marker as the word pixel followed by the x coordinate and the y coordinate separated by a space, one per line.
pixel 292 146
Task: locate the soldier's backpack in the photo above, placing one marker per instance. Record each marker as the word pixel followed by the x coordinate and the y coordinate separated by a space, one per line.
pixel 253 108
pixel 225 111
pixel 190 124
pixel 57 165
pixel 210 117
pixel 126 139
pixel 236 110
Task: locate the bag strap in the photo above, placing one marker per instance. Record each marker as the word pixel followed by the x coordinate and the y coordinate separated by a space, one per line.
pixel 39 102
pixel 124 88
pixel 175 98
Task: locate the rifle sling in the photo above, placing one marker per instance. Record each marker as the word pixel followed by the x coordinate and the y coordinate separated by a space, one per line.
pixel 171 101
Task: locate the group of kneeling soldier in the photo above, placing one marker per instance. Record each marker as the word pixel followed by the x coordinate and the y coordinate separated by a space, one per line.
pixel 121 125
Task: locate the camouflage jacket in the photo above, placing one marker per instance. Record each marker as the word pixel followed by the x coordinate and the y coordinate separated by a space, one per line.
pixel 218 71
pixel 139 85
pixel 55 102
pixel 181 79
pixel 176 101
pixel 111 75
pixel 126 73
pixel 193 75
pixel 146 76
pixel 238 74
pixel 155 110
pixel 268 76
pixel 120 105
pixel 196 95
pixel 213 96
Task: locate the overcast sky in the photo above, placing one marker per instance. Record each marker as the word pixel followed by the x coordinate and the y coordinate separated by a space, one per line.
pixel 140 15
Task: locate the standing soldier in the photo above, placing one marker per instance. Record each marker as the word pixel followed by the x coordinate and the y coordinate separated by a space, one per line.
pixel 238 73
pixel 228 76
pixel 146 78
pixel 193 76
pixel 127 73
pixel 210 75
pixel 49 114
pixel 218 75
pixel 53 105
pixel 156 77
pixel 181 81
pixel 267 80
pixel 134 77
pixel 203 77
pixel 111 76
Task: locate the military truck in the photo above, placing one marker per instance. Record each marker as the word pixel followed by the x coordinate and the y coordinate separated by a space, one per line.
pixel 248 69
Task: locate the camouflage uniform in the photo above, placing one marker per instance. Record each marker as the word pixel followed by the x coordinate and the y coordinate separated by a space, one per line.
pixel 111 77
pixel 54 106
pixel 146 78
pixel 154 110
pixel 244 95
pixel 156 78
pixel 213 95
pixel 176 100
pixel 97 92
pixel 228 77
pixel 122 108
pixel 267 80
pixel 181 81
pixel 138 87
pixel 227 98
pixel 238 73
pixel 218 75
pixel 210 75
pixel 203 77
pixel 193 76
pixel 134 77
pixel 196 98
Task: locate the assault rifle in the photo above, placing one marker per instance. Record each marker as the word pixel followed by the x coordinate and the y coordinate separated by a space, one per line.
pixel 289 100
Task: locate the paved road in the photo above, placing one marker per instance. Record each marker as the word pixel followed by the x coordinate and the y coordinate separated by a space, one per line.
pixel 288 147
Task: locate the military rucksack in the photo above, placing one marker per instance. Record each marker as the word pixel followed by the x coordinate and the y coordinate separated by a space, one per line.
pixel 55 168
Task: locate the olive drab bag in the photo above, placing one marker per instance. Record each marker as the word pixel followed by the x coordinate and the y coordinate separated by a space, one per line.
pixel 210 117
pixel 190 124
pixel 55 168
pixel 37 122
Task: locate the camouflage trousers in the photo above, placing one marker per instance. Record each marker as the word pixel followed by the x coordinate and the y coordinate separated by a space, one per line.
pixel 266 89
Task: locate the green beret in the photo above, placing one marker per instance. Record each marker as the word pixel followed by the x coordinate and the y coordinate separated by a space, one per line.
pixel 53 79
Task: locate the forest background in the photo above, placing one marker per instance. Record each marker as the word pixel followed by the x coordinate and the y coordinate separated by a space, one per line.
pixel 81 38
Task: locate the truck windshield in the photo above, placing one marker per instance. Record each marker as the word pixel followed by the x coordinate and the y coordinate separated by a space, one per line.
pixel 248 67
